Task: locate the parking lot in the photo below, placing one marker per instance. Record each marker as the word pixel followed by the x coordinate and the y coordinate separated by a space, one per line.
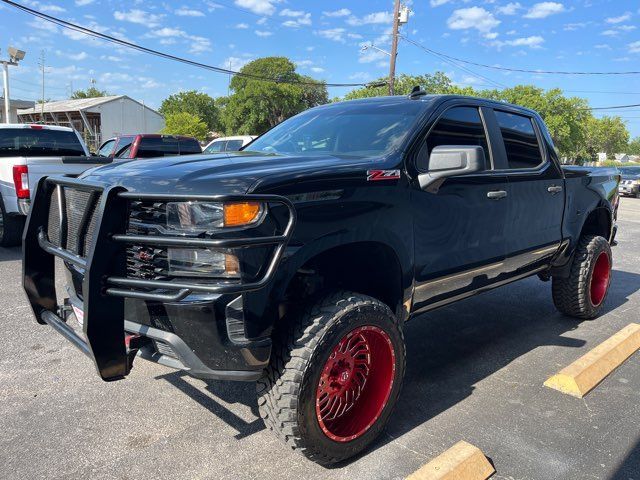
pixel 475 372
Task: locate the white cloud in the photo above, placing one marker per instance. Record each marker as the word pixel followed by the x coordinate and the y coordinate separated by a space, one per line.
pixel 627 28
pixel 167 32
pixel 473 17
pixel 76 57
pixel 242 26
pixel 263 33
pixel 298 17
pixel 335 34
pixel 544 9
pixel 189 12
pixel 199 44
pixel 43 25
pixel 138 16
pixel 364 76
pixel 622 18
pixel 260 7
pixel 82 3
pixel 533 41
pixel 343 12
pixel 634 47
pixel 509 8
pixel 491 35
pixel 610 33
pixel 317 69
pixel 437 3
pixel 602 46
pixel 234 63
pixel 371 18
pixel 570 27
pixel 51 8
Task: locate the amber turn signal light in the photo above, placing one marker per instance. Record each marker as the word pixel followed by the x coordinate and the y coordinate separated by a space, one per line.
pixel 241 213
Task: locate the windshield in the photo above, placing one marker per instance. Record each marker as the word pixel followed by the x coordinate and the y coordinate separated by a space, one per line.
pixel 629 170
pixel 348 130
pixel 28 142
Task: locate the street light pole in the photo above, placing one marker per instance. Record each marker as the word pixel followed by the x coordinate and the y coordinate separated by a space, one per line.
pixel 394 46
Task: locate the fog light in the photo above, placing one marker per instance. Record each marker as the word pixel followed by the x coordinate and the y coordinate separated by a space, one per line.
pixel 202 262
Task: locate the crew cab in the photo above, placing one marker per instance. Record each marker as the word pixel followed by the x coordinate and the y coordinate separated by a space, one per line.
pixel 148 145
pixel 296 262
pixel 28 153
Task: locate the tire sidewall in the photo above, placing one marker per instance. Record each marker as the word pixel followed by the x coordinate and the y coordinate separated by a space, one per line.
pixel 600 246
pixel 336 328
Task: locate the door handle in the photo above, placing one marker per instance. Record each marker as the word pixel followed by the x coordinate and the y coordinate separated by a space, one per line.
pixel 554 189
pixel 496 195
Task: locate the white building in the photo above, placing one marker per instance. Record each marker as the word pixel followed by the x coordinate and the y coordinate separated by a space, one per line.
pixel 97 119
pixel 622 157
pixel 14 105
pixel 602 156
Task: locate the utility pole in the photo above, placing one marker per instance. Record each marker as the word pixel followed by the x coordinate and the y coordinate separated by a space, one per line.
pixel 394 46
pixel 41 64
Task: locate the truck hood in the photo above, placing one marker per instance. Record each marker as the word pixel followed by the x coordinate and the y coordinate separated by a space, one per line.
pixel 226 173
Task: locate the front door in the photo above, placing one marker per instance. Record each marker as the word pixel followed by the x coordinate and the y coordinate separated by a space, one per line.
pixel 459 229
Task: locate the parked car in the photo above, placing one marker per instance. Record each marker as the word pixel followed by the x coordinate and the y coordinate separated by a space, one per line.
pixel 229 144
pixel 28 153
pixel 630 183
pixel 148 145
pixel 296 264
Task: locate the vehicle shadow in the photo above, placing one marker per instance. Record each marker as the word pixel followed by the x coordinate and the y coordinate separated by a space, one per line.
pixel 227 392
pixel 630 466
pixel 10 254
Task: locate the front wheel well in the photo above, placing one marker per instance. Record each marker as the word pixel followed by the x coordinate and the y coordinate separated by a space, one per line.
pixel 369 268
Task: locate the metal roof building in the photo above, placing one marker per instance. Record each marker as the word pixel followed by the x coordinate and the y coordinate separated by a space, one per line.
pixel 14 105
pixel 97 119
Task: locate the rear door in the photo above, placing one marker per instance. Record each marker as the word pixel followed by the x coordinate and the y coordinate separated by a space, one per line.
pixel 536 194
pixel 459 229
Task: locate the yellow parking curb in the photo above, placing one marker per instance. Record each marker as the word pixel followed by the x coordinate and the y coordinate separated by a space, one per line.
pixel 463 461
pixel 588 371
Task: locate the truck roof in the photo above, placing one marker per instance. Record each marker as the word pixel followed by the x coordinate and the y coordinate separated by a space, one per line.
pixel 36 126
pixel 431 99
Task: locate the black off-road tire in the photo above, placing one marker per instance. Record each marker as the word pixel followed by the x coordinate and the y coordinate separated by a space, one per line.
pixel 287 391
pixel 573 295
pixel 11 227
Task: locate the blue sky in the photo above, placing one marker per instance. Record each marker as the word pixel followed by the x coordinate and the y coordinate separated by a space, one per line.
pixel 325 40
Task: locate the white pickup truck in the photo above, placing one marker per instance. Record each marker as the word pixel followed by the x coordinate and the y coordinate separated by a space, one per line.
pixel 27 153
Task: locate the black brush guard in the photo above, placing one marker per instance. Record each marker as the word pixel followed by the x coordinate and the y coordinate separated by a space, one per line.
pixel 105 285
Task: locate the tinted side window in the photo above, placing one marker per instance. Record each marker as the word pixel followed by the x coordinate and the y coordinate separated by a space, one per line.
pixel 520 140
pixel 123 149
pixel 157 147
pixel 189 145
pixel 107 148
pixel 233 145
pixel 215 147
pixel 457 126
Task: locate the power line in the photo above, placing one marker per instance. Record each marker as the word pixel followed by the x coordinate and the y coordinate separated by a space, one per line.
pixel 507 69
pixel 124 43
pixel 615 107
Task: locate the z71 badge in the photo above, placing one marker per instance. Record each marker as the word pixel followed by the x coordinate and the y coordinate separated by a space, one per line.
pixel 377 175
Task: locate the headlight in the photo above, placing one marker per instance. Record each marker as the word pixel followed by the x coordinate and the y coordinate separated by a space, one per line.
pixel 202 217
pixel 202 262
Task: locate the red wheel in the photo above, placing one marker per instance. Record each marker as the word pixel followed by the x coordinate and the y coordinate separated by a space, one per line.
pixel 600 279
pixel 355 383
pixel 335 374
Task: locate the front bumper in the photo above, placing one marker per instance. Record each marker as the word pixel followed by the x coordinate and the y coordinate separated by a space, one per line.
pixel 201 329
pixel 629 189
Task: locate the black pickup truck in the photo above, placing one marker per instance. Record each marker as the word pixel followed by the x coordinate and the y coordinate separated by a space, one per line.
pixel 296 262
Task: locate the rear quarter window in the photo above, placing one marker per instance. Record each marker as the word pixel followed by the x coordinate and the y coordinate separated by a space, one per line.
pixel 26 142
pixel 157 147
pixel 520 140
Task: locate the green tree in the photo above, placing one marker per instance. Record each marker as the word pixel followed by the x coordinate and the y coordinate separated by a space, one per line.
pixel 634 146
pixel 184 123
pixel 195 103
pixel 91 92
pixel 257 105
pixel 438 83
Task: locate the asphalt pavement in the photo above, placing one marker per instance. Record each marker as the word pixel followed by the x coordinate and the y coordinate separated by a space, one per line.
pixel 475 372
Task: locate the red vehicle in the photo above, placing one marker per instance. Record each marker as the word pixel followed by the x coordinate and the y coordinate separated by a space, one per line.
pixel 148 145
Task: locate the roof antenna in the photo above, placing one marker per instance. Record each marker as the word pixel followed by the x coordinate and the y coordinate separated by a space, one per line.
pixel 417 92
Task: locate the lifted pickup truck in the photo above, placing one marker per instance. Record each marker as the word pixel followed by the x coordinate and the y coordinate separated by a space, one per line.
pixel 295 264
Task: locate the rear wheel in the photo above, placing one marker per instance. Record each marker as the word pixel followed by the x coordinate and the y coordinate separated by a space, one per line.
pixel 10 228
pixel 583 293
pixel 334 377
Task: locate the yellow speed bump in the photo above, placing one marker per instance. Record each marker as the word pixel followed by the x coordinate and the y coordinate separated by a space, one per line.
pixel 463 461
pixel 588 371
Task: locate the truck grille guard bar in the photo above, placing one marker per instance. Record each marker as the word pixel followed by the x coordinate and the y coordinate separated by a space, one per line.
pixel 105 284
